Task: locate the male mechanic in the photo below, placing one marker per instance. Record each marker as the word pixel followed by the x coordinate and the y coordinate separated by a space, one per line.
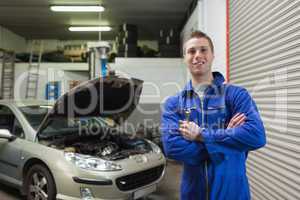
pixel 210 127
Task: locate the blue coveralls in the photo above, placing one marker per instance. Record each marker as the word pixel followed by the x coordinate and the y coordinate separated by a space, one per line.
pixel 216 168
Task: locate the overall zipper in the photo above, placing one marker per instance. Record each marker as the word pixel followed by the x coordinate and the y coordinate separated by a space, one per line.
pixel 206 170
pixel 206 176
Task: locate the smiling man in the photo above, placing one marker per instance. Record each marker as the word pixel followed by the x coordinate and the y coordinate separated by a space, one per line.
pixel 210 127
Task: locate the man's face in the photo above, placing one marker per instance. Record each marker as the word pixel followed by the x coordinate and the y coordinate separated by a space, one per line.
pixel 198 56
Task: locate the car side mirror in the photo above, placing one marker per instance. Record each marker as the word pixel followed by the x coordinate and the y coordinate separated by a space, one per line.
pixel 6 134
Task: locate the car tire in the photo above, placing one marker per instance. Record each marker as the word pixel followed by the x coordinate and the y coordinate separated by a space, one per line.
pixel 39 184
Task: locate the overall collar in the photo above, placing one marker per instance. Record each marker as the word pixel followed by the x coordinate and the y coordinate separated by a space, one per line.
pixel 216 83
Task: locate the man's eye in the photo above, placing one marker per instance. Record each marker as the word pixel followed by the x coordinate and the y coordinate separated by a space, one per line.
pixel 191 51
pixel 203 50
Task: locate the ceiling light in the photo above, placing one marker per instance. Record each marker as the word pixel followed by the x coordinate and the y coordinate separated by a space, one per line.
pixel 90 28
pixel 77 8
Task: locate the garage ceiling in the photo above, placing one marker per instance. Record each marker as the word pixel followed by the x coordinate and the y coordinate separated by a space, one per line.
pixel 33 19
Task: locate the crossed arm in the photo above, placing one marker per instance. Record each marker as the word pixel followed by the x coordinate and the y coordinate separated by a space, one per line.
pixel 192 132
pixel 191 144
pixel 180 141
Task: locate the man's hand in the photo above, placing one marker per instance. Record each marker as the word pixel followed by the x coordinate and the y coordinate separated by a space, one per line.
pixel 190 131
pixel 237 120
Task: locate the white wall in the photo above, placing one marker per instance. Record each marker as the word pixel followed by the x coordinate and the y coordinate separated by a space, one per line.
pixel 162 76
pixel 210 17
pixel 11 41
pixel 214 24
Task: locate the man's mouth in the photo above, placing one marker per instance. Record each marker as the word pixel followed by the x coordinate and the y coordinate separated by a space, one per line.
pixel 198 63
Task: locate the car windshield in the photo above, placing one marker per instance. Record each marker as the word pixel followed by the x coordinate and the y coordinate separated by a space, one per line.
pixel 35 114
pixel 63 126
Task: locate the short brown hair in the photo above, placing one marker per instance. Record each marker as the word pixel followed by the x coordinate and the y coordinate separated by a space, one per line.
pixel 199 34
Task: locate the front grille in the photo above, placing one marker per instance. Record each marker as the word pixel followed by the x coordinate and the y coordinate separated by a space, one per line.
pixel 133 181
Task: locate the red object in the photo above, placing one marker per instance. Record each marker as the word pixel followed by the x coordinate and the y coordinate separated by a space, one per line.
pixel 227 42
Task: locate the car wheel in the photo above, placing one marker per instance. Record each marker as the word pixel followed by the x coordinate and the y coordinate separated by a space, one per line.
pixel 40 184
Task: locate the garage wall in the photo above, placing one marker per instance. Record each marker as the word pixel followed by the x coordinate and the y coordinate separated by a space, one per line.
pixel 162 78
pixel 214 24
pixel 265 58
pixel 210 17
pixel 11 41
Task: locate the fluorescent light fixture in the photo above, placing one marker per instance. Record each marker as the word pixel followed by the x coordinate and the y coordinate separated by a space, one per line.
pixel 77 8
pixel 90 28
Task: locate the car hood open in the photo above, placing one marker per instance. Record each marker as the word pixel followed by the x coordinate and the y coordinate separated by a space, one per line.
pixel 110 96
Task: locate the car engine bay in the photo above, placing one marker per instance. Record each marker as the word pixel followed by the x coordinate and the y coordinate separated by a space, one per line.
pixel 110 147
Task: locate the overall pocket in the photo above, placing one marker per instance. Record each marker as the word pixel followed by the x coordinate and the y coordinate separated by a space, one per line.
pixel 216 117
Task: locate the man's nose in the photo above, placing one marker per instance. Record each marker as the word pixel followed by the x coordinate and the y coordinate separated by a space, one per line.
pixel 198 53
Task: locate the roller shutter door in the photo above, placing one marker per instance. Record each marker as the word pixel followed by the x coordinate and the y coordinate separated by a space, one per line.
pixel 265 59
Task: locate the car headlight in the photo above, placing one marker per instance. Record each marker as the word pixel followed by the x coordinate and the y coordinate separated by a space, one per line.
pixel 91 163
pixel 154 147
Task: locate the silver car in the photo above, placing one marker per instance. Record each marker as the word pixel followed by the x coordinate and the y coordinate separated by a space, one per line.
pixel 75 149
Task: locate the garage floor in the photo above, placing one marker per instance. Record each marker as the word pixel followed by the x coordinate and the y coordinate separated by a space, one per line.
pixel 168 188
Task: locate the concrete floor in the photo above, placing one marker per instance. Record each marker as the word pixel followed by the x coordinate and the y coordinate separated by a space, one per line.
pixel 7 193
pixel 167 189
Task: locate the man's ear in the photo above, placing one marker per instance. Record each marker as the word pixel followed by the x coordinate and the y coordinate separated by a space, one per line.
pixel 184 58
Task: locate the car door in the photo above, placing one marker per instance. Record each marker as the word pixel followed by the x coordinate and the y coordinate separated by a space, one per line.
pixel 10 151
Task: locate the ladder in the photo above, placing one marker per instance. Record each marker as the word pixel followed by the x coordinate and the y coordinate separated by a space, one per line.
pixel 33 69
pixel 8 74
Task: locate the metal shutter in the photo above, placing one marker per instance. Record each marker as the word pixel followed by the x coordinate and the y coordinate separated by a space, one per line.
pixel 265 59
